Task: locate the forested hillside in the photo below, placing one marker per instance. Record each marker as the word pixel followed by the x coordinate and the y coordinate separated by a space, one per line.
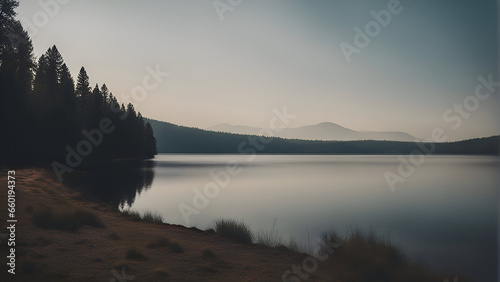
pixel 179 139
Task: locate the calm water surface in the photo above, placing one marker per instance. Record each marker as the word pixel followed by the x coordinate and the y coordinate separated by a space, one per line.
pixel 445 213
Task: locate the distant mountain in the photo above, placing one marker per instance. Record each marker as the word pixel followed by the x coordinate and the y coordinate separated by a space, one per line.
pixel 172 138
pixel 326 131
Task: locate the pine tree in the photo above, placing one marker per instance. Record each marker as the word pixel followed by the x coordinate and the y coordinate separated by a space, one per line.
pixel 54 69
pixel 24 58
pixel 105 97
pixel 82 92
pixel 16 75
pixel 40 82
pixel 67 88
pixel 96 112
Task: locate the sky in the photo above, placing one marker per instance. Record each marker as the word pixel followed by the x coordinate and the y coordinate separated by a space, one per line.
pixel 237 64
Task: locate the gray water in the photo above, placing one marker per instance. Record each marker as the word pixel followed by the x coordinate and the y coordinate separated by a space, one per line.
pixel 445 213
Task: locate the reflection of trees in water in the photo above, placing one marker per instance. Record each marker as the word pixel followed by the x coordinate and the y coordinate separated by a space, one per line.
pixel 114 183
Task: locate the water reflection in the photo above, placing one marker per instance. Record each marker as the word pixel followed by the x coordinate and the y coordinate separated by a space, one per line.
pixel 117 183
pixel 445 214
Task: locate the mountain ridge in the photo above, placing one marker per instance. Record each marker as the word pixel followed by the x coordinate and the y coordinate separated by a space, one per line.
pixel 324 131
pixel 177 139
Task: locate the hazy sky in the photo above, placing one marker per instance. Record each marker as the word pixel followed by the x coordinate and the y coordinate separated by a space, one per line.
pixel 271 54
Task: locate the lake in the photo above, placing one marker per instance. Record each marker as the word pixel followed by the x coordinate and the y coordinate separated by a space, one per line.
pixel 445 213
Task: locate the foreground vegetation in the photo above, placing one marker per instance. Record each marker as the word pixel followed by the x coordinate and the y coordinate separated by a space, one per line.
pixel 357 256
pixel 235 230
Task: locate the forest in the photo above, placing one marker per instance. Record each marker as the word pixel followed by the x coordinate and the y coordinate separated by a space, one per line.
pixel 45 115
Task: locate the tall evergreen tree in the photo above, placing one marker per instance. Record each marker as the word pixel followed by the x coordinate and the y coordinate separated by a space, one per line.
pixel 82 85
pixel 96 111
pixel 83 98
pixel 56 116
pixel 105 96
pixel 54 70
pixel 68 98
pixel 40 82
pixel 22 96
pixel 16 74
pixel 25 59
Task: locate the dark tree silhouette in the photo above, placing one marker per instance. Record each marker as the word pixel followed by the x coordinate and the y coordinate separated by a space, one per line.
pixel 16 76
pixel 150 141
pixel 43 114
pixel 83 97
pixel 96 107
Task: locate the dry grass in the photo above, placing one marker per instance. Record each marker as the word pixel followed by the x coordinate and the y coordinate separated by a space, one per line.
pixel 235 230
pixel 147 216
pixel 61 220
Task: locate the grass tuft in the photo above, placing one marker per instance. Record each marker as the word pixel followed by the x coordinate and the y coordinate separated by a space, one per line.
pixel 134 254
pixel 234 230
pixel 162 242
pixel 176 248
pixel 270 238
pixel 152 217
pixel 89 218
pixel 133 215
pixel 208 254
pixel 71 221
pixel 114 236
pixel 147 216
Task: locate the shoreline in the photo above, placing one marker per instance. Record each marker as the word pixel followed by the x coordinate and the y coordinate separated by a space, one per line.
pixel 104 244
pixel 94 253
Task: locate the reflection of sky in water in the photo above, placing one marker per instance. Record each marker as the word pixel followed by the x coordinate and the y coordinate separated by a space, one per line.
pixel 444 214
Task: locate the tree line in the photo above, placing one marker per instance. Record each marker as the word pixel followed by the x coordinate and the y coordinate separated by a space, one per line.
pixel 179 139
pixel 43 112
